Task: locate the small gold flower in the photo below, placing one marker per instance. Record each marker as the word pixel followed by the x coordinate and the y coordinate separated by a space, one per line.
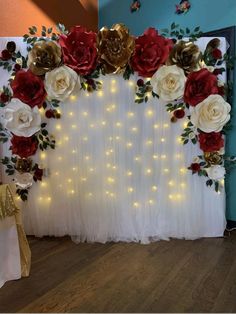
pixel 213 158
pixel 44 57
pixel 115 48
pixel 185 55
pixel 23 165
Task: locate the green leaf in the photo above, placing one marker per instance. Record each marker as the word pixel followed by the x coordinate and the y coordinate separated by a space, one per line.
pixel 172 25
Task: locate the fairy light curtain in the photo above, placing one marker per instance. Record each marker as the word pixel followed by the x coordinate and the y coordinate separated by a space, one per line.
pixel 119 172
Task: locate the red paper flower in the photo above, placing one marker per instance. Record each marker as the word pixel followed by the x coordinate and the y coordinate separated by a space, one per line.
pixel 38 173
pixel 5 55
pixel 79 49
pixel 151 51
pixel 179 113
pixel 216 53
pixel 195 167
pixel 211 142
pixel 23 146
pixel 199 86
pixel 29 88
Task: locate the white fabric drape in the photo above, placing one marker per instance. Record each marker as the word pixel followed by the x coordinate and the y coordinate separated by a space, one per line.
pixel 10 266
pixel 119 173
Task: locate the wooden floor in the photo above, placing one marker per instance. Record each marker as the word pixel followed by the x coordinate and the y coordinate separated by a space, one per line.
pixel 174 276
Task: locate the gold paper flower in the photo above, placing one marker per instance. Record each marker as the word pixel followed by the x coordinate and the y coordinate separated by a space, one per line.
pixel 44 57
pixel 213 158
pixel 185 55
pixel 115 48
pixel 23 165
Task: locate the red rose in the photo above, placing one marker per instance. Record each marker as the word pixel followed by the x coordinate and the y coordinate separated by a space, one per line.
pixel 38 173
pixel 23 146
pixel 216 53
pixel 4 98
pixel 199 86
pixel 140 82
pixel 17 67
pixel 5 55
pixel 49 114
pixel 195 167
pixel 179 113
pixel 29 88
pixel 79 50
pixel 211 142
pixel 151 51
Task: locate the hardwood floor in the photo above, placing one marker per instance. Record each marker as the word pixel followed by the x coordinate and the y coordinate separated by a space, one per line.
pixel 173 276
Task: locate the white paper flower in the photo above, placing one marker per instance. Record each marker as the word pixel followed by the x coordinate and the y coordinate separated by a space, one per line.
pixel 21 119
pixel 23 180
pixel 60 82
pixel 168 82
pixel 211 114
pixel 216 172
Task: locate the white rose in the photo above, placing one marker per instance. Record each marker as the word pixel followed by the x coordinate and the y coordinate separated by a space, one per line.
pixel 21 119
pixel 211 114
pixel 60 82
pixel 168 82
pixel 23 180
pixel 216 172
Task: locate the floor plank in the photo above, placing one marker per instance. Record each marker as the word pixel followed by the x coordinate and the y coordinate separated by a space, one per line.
pixel 165 276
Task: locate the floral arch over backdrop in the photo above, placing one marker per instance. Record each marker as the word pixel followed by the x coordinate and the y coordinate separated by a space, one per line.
pixel 58 64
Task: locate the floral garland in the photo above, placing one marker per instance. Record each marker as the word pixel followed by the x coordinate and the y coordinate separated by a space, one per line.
pixel 61 63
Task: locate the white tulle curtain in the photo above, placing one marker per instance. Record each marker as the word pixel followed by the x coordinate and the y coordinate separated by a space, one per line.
pixel 119 172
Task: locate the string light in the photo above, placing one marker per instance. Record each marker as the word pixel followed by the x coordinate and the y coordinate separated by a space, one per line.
pixel 149 113
pixel 103 123
pixel 130 114
pixel 129 173
pixel 130 189
pixel 166 125
pixel 118 124
pixel 151 202
pixel 58 127
pixel 154 188
pixel 43 156
pixel 73 97
pixel 155 156
pixel 134 129
pixel 110 180
pixel 163 156
pixel 136 204
pixel 71 113
pixel 162 140
pixel 156 126
pixel 148 171
pixel 129 144
pixel 85 113
pixel 100 93
pixel 149 142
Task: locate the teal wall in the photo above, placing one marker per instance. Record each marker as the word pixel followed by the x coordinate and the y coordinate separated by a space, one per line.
pixel 208 14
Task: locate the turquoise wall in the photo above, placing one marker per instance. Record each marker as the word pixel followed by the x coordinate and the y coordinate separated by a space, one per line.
pixel 208 14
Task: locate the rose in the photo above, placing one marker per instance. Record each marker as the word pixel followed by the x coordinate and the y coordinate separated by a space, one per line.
pixel 216 172
pixel 185 55
pixel 60 82
pixel 44 56
pixel 151 51
pixel 115 48
pixel 179 113
pixel 23 146
pixel 195 167
pixel 11 46
pixel 29 88
pixel 38 173
pixel 20 119
pixel 216 54
pixel 5 55
pixel 199 86
pixel 211 142
pixel 23 165
pixel 79 50
pixel 213 158
pixel 168 82
pixel 23 180
pixel 211 114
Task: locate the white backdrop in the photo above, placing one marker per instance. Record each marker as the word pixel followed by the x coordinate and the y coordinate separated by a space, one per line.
pixel 119 172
